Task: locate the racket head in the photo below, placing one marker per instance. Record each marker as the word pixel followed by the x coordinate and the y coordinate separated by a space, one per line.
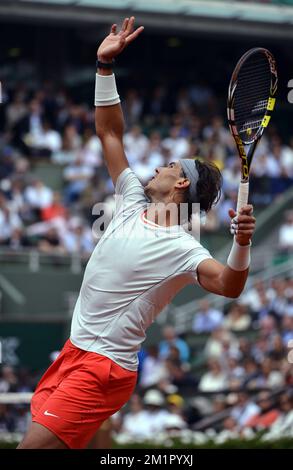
pixel 251 99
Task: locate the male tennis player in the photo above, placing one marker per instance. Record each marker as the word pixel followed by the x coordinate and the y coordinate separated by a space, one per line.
pixel 131 275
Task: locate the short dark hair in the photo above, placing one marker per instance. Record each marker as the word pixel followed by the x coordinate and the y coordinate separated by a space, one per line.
pixel 208 187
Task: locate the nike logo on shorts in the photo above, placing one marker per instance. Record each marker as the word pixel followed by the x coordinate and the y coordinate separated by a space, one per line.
pixel 46 413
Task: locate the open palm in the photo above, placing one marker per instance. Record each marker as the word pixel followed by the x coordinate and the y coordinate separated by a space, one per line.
pixel 115 42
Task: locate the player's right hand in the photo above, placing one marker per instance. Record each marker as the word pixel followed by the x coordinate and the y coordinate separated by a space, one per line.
pixel 115 42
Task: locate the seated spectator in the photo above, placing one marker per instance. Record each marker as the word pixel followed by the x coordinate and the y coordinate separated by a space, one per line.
pixel 91 150
pixel 218 342
pixel 277 350
pixel 50 242
pixel 7 422
pixel 178 373
pixel 171 339
pixel 136 144
pixel 270 376
pixel 135 420
pixel 177 145
pixel 8 380
pixel 38 195
pixel 9 221
pixel 155 413
pixel 287 329
pixel 78 237
pixel 283 425
pixel 153 368
pixel 267 415
pixel 207 318
pixel 71 145
pixel 76 177
pixel 286 234
pixel 55 209
pixel 47 141
pixel 215 380
pixel 244 410
pixel 252 378
pixel 237 318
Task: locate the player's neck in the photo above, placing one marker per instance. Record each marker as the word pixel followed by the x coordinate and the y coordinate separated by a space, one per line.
pixel 162 214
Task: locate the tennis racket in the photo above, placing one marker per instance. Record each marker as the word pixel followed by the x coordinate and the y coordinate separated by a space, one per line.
pixel 251 100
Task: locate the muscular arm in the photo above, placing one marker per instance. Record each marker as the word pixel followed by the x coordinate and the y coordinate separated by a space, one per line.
pixel 223 280
pixel 109 127
pixel 109 119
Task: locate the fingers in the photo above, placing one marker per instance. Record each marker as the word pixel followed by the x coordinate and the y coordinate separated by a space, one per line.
pixel 113 29
pixel 247 209
pixel 134 35
pixel 232 213
pixel 124 25
pixel 130 26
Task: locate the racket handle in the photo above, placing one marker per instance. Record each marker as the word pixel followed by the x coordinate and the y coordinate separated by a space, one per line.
pixel 242 195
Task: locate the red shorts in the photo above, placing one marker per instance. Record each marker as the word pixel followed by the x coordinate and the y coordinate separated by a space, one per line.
pixel 78 392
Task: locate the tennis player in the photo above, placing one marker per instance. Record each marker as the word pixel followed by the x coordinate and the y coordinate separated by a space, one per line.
pixel 131 275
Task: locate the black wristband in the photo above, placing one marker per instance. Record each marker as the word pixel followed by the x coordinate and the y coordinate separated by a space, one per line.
pixel 102 65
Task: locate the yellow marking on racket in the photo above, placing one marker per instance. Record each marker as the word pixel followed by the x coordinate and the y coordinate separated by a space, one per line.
pixel 271 104
pixel 248 130
pixel 265 121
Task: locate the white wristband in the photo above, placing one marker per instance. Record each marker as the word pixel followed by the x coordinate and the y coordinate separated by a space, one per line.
pixel 105 90
pixel 239 257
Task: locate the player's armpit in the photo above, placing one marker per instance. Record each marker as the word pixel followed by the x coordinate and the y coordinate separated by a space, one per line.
pixel 219 279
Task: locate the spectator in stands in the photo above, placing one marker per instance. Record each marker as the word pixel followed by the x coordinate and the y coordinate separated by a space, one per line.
pixel 244 410
pixel 215 380
pixel 8 380
pixel 171 339
pixel 207 318
pixel 283 425
pixel 76 176
pixel 38 196
pixel 153 368
pixel 78 237
pixel 271 378
pixel 71 145
pixel 47 141
pixel 267 415
pixel 10 221
pixel 155 413
pixel 28 130
pixel 177 145
pixel 7 423
pixel 287 329
pixel 178 372
pixel 16 110
pixel 136 144
pixel 286 234
pixel 237 318
pixel 133 423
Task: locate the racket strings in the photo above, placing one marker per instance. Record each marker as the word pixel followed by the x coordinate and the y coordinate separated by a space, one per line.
pixel 251 96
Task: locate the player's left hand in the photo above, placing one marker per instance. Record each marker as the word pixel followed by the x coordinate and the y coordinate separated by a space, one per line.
pixel 243 224
pixel 116 41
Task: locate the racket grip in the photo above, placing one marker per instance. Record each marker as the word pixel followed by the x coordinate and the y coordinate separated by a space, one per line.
pixel 242 195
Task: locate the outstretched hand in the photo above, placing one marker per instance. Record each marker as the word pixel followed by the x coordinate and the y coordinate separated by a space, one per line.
pixel 115 42
pixel 242 224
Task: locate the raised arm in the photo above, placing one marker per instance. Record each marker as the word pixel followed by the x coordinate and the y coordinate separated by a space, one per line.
pixel 230 280
pixel 108 115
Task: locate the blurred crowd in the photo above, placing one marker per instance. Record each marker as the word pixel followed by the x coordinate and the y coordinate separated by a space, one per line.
pixel 231 374
pixel 53 210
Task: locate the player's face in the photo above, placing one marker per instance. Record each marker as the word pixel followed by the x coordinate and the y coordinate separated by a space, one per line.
pixel 165 180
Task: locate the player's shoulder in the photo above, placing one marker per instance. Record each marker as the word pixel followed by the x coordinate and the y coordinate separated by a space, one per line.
pixel 127 180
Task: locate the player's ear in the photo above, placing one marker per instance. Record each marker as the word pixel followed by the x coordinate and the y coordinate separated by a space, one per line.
pixel 182 183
